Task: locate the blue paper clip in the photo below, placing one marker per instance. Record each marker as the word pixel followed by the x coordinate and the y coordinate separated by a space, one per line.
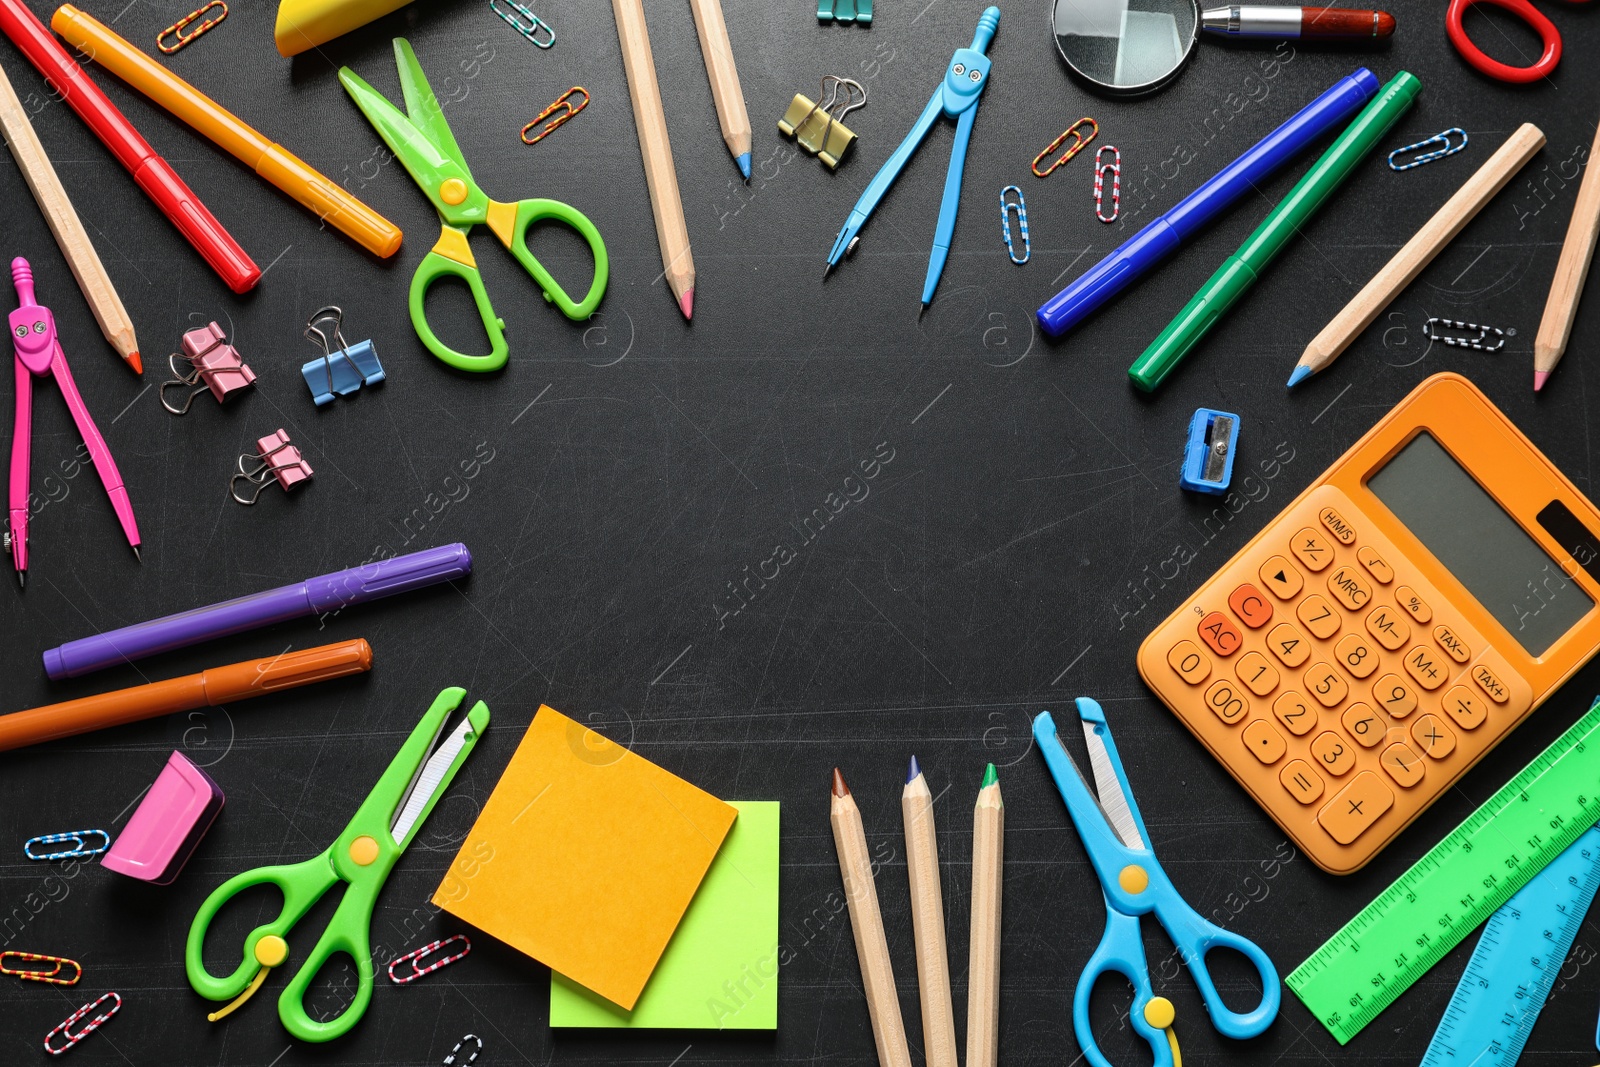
pixel 1021 207
pixel 1428 157
pixel 80 846
pixel 529 29
pixel 1208 459
pixel 341 372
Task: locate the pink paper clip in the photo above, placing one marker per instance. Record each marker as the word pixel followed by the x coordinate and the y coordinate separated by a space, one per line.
pixel 275 458
pixel 89 1028
pixel 416 954
pixel 212 364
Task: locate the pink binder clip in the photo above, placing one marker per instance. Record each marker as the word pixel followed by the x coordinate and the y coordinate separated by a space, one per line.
pixel 212 363
pixel 275 458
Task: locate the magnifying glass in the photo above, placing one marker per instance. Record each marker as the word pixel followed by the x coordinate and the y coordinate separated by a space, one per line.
pixel 1126 47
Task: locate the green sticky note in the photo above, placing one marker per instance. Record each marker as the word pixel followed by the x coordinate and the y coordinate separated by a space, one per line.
pixel 720 970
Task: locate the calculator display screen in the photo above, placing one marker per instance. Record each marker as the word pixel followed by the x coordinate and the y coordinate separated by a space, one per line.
pixel 1519 583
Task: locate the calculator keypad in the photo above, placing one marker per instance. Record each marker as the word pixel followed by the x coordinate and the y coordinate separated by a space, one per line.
pixel 1348 680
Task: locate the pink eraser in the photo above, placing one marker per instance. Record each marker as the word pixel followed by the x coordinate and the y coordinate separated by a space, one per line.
pixel 168 824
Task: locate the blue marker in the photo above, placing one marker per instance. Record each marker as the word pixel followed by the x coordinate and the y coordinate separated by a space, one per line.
pixel 956 98
pixel 1164 234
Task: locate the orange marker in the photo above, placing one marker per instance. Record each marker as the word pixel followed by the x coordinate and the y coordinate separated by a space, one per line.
pixel 212 121
pixel 219 685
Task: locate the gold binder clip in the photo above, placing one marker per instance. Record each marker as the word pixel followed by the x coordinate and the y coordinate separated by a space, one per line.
pixel 819 127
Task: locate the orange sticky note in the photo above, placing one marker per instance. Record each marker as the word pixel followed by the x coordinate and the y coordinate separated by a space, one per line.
pixel 585 857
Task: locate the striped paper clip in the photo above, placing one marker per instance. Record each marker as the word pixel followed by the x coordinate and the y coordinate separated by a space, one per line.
pixel 176 29
pixel 1079 142
pixel 90 1027
pixel 1021 207
pixel 525 22
pixel 450 1060
pixel 39 974
pixel 416 954
pixel 1115 169
pixel 563 103
pixel 80 847
pixel 1441 139
pixel 1488 339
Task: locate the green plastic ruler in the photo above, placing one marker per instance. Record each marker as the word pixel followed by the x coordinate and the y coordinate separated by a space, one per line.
pixel 1462 880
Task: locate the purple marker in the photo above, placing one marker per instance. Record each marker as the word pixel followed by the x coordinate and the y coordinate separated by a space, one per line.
pixel 315 596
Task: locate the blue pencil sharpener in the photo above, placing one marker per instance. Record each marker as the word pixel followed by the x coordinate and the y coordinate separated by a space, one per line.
pixel 1208 459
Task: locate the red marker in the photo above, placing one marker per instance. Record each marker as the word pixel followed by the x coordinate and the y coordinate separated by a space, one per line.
pixel 152 173
pixel 1250 20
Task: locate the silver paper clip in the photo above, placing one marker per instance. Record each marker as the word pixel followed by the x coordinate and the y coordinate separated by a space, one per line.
pixel 1442 139
pixel 1021 207
pixel 450 1060
pixel 1481 342
pixel 80 846
pixel 529 28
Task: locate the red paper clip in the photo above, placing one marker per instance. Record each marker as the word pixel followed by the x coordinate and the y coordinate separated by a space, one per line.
pixel 1078 146
pixel 93 1024
pixel 33 974
pixel 1100 169
pixel 416 954
pixel 550 127
pixel 177 28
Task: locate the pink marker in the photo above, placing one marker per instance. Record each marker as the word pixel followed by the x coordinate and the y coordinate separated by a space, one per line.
pixel 33 332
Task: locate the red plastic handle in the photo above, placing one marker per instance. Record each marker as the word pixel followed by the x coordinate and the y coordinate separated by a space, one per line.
pixel 1530 16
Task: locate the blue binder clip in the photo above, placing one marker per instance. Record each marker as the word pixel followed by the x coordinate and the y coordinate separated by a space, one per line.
pixel 343 368
pixel 1208 459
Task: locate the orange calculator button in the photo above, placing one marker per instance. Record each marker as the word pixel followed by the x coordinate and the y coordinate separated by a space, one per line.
pixel 1465 707
pixel 1362 724
pixel 1264 743
pixel 1349 589
pixel 1402 764
pixel 1191 664
pixel 1251 605
pixel 1325 685
pixel 1356 655
pixel 1426 666
pixel 1223 636
pixel 1433 736
pixel 1318 616
pixel 1333 753
pixel 1293 711
pixel 1338 527
pixel 1451 642
pixel 1289 645
pixel 1301 781
pixel 1388 627
pixel 1224 698
pixel 1355 807
pixel 1381 572
pixel 1410 602
pixel 1490 683
pixel 1256 673
pixel 1394 696
pixel 1310 548
pixel 1279 575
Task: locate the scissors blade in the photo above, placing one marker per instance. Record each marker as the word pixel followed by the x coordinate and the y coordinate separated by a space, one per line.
pixel 430 780
pixel 419 154
pixel 423 107
pixel 1109 791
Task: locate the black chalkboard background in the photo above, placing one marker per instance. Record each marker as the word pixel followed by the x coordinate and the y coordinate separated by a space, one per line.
pixel 641 464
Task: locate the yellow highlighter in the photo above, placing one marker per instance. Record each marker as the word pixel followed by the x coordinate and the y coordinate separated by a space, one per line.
pixel 220 126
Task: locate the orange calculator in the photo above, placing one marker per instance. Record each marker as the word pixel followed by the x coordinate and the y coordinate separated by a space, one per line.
pixel 1385 631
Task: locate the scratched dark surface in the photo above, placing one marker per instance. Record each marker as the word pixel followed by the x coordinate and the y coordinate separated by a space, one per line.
pixel 639 468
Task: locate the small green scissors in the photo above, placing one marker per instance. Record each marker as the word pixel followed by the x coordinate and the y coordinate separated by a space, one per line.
pixel 362 856
pixel 428 149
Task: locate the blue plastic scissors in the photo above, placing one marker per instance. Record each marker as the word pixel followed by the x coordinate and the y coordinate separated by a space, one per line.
pixel 1134 884
pixel 957 98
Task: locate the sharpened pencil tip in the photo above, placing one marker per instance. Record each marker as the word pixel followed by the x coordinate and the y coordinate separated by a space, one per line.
pixel 913 771
pixel 990 777
pixel 839 788
pixel 686 303
pixel 1539 378
pixel 1300 374
pixel 135 362
pixel 744 165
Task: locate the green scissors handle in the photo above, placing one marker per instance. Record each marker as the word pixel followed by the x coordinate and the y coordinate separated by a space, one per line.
pixel 451 257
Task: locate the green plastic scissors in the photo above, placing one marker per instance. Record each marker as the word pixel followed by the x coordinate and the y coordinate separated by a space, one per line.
pixel 428 149
pixel 362 856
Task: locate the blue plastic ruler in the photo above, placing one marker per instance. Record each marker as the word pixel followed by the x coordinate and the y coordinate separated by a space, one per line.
pixel 1516 962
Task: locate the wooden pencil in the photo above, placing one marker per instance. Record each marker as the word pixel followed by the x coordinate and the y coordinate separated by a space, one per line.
pixel 1418 252
pixel 866 922
pixel 983 972
pixel 927 921
pixel 1571 269
pixel 717 51
pixel 650 119
pixel 40 175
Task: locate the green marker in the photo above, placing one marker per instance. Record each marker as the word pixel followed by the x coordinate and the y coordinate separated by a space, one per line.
pixel 1240 270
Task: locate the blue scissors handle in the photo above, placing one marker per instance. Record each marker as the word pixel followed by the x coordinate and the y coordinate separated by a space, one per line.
pixel 1121 951
pixel 1195 936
